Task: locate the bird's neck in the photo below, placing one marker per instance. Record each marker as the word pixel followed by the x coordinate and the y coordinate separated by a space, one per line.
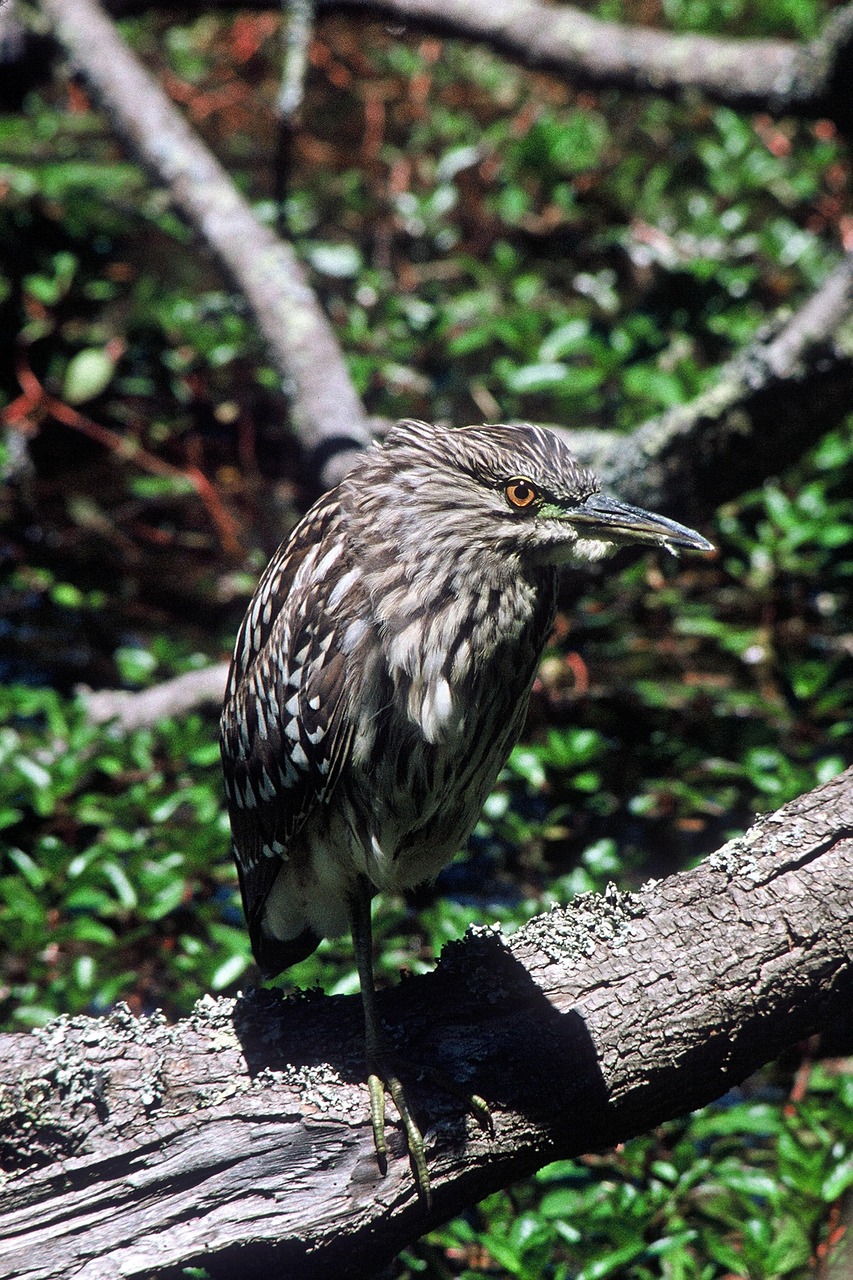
pixel 465 591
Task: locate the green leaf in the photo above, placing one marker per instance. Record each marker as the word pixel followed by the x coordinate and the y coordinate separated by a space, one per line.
pixel 563 340
pixel 229 971
pixel 612 1261
pixel 838 1180
pixel 537 377
pixel 34 874
pixel 339 260
pixel 87 375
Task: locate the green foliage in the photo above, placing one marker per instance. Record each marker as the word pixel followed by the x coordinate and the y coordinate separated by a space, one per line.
pixel 116 878
pixel 792 18
pixel 741 1188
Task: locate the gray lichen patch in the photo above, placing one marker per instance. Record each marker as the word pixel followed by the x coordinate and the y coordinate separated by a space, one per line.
pixel 76 1081
pixel 34 1130
pixel 213 1095
pixel 76 1056
pixel 575 931
pixel 318 1087
pixel 45 1115
pixel 213 1018
pixel 736 858
pixel 139 1030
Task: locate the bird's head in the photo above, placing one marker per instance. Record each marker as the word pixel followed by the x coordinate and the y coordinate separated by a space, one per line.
pixel 515 487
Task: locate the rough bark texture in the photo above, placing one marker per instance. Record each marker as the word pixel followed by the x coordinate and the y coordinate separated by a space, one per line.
pixel 327 413
pixel 239 1138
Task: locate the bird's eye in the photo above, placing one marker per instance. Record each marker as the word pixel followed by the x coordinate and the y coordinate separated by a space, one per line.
pixel 520 493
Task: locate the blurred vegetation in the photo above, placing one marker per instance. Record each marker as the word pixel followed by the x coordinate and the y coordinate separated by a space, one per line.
pixel 488 243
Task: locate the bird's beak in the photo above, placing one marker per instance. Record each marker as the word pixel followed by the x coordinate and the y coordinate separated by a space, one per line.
pixel 605 518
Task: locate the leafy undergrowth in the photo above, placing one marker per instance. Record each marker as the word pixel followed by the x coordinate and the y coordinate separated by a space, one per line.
pixel 676 703
pixel 745 1188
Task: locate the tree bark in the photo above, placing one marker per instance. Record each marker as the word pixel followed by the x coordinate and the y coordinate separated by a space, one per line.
pixel 239 1138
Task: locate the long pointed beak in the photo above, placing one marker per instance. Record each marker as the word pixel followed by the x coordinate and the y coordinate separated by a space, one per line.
pixel 617 522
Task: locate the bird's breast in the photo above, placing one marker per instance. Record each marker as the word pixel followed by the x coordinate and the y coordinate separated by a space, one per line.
pixel 421 778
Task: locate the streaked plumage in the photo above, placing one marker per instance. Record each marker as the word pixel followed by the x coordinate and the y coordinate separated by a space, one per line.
pixel 382 671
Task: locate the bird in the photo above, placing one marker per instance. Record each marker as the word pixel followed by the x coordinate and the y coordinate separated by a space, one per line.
pixel 381 677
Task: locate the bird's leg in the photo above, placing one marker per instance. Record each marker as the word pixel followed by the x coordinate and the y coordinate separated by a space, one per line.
pixel 380 1076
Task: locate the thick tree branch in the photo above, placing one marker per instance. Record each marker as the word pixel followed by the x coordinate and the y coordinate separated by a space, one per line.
pixel 239 1138
pixel 327 413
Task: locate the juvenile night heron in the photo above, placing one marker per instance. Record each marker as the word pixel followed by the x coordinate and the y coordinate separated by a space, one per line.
pixel 381 676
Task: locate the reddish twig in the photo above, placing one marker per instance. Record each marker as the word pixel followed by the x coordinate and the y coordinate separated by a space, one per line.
pixel 29 410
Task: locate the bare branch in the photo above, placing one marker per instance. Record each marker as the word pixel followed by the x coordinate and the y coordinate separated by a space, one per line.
pixel 777 76
pixel 327 413
pixel 299 34
pixel 781 77
pixel 239 1138
pixel 764 409
pixel 300 29
pixel 129 711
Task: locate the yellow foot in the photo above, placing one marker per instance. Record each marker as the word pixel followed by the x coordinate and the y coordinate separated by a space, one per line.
pixel 378 1081
pixel 381 1079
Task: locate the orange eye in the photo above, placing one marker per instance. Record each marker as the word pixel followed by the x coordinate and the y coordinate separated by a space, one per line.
pixel 520 493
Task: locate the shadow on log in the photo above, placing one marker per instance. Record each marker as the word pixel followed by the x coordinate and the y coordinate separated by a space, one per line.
pixel 239 1138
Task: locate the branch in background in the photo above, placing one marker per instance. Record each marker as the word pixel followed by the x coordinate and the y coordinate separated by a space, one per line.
pixel 327 414
pixel 300 28
pixel 778 76
pixel 782 77
pixel 239 1139
pixel 765 408
pixel 298 36
pixel 127 711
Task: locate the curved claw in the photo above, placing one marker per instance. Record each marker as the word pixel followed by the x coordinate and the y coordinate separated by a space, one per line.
pixel 479 1109
pixel 377 1119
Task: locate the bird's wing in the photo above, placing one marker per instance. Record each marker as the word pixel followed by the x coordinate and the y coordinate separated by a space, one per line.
pixel 285 735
